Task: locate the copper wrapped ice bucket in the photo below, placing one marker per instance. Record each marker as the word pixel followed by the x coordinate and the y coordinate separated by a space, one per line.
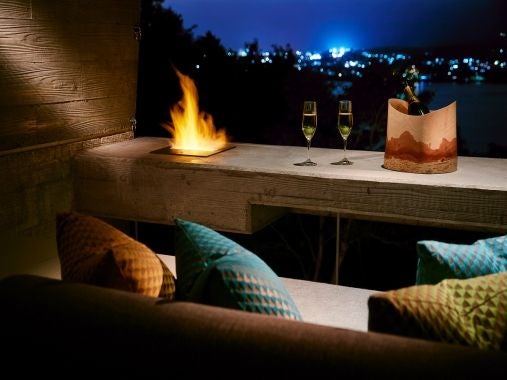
pixel 421 144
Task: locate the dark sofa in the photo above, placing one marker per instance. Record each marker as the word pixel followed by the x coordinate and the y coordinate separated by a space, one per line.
pixel 52 327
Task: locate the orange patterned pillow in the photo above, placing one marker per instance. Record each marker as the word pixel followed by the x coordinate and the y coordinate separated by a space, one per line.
pixel 94 252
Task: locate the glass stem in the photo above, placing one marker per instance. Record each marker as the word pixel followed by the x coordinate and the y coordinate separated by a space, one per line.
pixel 344 148
pixel 308 150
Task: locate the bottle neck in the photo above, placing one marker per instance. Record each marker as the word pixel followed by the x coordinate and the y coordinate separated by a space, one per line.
pixel 411 97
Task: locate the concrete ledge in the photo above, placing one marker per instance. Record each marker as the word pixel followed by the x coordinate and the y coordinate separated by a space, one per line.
pixel 242 189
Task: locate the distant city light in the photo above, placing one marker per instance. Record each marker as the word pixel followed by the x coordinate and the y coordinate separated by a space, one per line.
pixel 333 64
pixel 338 52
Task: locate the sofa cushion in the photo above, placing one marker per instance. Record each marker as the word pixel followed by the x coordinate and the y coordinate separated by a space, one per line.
pixel 471 312
pixel 215 270
pixel 438 261
pixel 94 252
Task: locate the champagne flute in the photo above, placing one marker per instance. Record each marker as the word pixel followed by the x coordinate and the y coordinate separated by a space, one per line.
pixel 345 121
pixel 309 126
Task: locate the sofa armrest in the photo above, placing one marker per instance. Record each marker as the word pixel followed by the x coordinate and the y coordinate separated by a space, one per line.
pixel 50 325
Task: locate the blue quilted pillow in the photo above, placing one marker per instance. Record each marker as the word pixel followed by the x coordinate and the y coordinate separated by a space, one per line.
pixel 215 270
pixel 438 261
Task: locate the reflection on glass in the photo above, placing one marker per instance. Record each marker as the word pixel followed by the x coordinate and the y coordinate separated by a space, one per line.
pixel 308 126
pixel 345 122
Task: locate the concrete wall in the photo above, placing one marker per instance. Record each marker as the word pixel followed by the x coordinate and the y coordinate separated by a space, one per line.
pixel 68 81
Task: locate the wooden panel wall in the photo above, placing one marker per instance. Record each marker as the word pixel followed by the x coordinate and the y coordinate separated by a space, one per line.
pixel 68 70
pixel 68 81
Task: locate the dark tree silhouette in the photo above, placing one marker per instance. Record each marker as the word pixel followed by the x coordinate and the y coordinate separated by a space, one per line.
pixel 254 100
pixel 164 43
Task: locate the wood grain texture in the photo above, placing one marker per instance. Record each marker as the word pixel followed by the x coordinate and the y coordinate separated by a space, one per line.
pixel 43 83
pixel 127 181
pixel 16 9
pixel 58 41
pixel 63 83
pixel 68 70
pixel 122 12
pixel 33 125
pixel 68 74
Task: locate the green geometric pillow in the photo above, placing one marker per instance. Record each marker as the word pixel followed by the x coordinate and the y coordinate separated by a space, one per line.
pixel 438 261
pixel 469 312
pixel 215 270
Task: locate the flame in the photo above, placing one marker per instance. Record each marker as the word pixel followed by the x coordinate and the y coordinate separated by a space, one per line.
pixel 192 129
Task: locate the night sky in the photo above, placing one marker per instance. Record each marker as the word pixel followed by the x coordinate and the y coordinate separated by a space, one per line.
pixel 321 24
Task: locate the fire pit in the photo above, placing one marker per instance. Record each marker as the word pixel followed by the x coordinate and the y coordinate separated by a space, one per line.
pixel 193 131
pixel 190 152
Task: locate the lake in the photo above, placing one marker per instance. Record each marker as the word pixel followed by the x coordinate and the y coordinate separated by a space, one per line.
pixel 481 112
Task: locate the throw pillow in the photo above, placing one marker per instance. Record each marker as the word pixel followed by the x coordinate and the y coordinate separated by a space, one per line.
pixel 215 270
pixel 94 252
pixel 438 261
pixel 470 312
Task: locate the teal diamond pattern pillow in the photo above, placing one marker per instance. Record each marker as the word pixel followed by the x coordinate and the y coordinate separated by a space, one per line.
pixel 215 270
pixel 438 261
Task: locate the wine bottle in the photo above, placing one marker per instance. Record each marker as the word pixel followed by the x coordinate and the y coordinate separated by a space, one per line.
pixel 415 106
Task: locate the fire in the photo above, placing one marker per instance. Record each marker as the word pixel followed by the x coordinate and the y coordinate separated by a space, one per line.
pixel 191 129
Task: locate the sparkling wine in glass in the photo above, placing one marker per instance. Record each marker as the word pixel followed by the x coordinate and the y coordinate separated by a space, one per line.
pixel 345 122
pixel 309 126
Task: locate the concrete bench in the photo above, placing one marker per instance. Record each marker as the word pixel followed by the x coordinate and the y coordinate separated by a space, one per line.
pixel 320 303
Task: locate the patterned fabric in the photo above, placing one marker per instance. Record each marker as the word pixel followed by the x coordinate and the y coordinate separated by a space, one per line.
pixel 438 261
pixel 470 312
pixel 94 252
pixel 215 270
